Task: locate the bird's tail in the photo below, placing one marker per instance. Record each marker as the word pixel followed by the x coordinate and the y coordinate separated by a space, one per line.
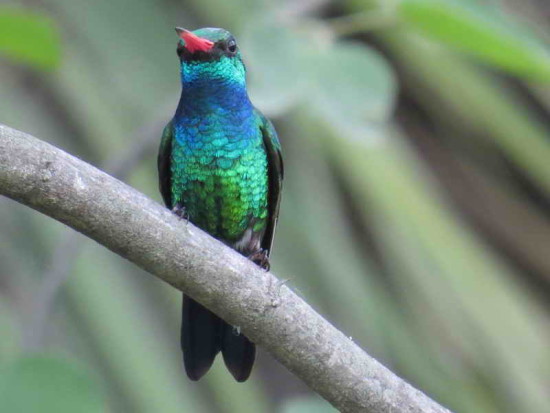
pixel 238 352
pixel 204 334
pixel 201 333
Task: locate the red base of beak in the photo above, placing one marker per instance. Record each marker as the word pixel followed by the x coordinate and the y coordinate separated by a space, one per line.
pixel 194 43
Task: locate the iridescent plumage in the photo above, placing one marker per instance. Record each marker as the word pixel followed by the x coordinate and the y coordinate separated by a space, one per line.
pixel 220 161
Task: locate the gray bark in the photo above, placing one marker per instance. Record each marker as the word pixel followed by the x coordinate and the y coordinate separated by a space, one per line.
pixel 75 193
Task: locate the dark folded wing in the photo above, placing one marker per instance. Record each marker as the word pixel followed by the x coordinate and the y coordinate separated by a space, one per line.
pixel 275 174
pixel 163 163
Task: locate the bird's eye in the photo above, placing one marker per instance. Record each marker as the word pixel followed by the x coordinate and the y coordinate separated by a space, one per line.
pixel 232 46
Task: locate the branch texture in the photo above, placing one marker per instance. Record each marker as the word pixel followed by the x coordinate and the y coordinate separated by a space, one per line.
pixel 65 188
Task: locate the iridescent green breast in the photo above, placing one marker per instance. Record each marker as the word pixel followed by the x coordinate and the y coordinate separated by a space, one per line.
pixel 220 176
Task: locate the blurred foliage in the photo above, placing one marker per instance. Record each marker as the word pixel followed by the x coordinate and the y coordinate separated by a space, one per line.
pixel 29 38
pixel 483 31
pixel 34 383
pixel 415 214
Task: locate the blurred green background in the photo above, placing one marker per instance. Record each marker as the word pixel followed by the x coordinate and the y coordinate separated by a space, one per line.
pixel 415 214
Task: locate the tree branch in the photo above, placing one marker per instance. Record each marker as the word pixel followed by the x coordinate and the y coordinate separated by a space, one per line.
pixel 38 304
pixel 51 181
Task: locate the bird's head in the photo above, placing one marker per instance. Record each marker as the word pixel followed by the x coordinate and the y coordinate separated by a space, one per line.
pixel 209 54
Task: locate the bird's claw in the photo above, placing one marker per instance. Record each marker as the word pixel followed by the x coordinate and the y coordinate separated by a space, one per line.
pixel 261 259
pixel 180 211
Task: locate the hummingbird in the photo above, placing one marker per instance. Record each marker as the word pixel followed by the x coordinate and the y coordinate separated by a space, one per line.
pixel 220 167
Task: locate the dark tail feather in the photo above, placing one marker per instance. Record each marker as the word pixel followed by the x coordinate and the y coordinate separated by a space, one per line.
pixel 201 337
pixel 238 353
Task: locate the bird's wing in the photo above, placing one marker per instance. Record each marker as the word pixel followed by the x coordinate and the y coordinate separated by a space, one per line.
pixel 163 163
pixel 275 176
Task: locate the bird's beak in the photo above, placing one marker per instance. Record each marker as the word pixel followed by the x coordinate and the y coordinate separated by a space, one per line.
pixel 192 42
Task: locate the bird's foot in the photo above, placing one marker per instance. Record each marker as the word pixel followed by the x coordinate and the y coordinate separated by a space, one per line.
pixel 261 259
pixel 180 211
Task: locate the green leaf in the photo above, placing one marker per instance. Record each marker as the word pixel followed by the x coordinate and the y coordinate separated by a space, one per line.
pixel 29 38
pixel 347 83
pixel 275 56
pixel 481 31
pixel 44 384
pixel 353 85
